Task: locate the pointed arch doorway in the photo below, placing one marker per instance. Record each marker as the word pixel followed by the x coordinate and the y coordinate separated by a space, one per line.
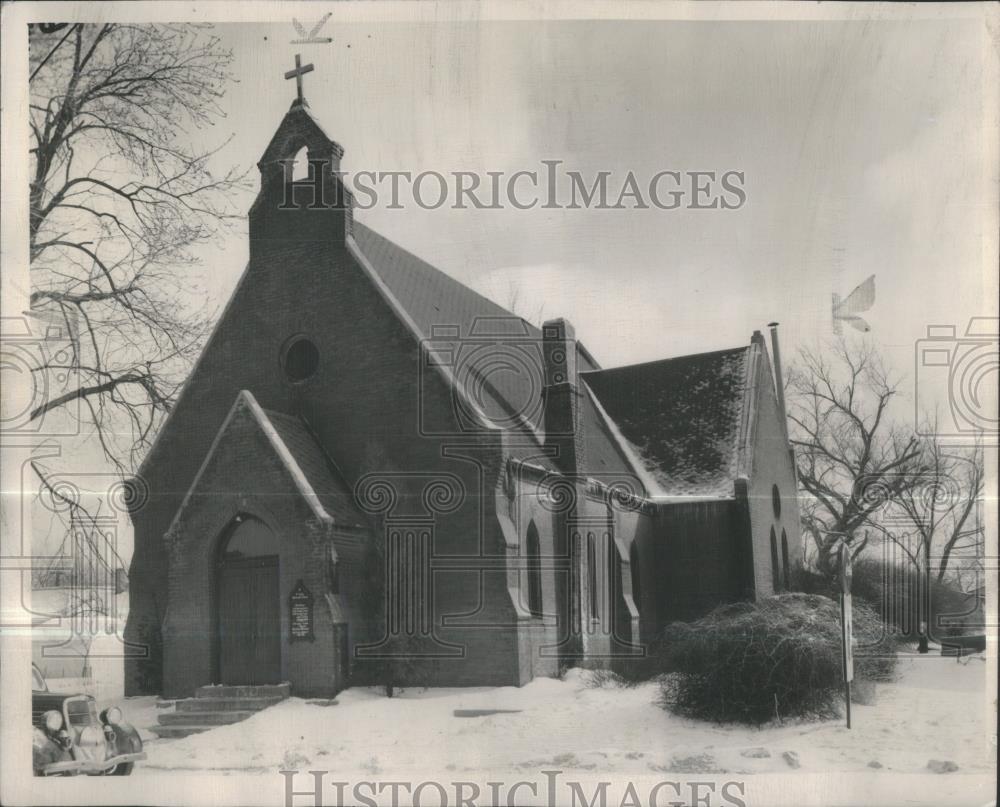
pixel 248 604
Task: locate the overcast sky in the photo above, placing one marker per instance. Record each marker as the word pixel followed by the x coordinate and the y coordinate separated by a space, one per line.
pixel 866 148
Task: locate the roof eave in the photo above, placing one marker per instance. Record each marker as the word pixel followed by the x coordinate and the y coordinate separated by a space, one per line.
pixel 382 287
pixel 246 400
pixel 748 417
pixel 621 443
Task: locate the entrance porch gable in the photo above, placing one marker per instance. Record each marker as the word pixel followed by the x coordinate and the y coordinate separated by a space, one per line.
pixel 266 469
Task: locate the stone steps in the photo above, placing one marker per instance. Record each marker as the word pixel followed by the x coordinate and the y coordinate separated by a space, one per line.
pixel 244 691
pixel 174 732
pixel 206 718
pixel 225 704
pixel 214 706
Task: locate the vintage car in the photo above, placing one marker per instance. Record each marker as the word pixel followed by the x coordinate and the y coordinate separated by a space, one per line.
pixel 69 737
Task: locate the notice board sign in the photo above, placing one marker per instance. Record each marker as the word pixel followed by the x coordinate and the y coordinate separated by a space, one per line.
pixel 300 614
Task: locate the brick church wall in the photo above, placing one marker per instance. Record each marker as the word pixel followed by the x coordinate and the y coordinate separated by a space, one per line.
pixel 371 405
pixel 365 404
pixel 699 553
pixel 523 502
pixel 772 466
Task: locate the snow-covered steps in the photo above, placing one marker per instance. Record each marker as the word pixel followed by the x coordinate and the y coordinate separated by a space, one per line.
pixel 198 704
pixel 209 719
pixel 172 732
pixel 279 691
pixel 214 706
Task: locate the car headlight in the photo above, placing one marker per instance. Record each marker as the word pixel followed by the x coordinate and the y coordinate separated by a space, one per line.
pixel 112 715
pixel 53 721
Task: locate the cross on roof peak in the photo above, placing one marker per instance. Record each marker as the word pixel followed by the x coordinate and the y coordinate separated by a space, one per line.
pixel 299 71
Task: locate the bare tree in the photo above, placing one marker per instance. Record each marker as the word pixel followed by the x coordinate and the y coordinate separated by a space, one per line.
pixel 852 459
pixel 516 305
pixel 941 512
pixel 935 523
pixel 119 200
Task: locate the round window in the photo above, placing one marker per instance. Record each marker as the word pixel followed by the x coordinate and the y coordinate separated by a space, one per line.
pixel 301 359
pixel 776 500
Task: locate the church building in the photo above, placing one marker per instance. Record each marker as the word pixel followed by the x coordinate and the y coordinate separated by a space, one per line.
pixel 375 475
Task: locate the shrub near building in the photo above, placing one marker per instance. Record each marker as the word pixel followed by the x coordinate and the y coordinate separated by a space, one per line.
pixel 898 594
pixel 780 657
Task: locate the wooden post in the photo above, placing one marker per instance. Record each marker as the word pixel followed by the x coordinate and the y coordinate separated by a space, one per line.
pixel 846 624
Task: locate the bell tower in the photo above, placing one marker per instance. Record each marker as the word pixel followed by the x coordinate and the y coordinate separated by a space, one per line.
pixel 290 213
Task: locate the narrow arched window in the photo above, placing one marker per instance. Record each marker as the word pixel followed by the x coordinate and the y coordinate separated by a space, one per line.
pixel 614 572
pixel 633 562
pixel 775 568
pixel 300 165
pixel 613 566
pixel 534 571
pixel 592 573
pixel 784 557
pixel 332 570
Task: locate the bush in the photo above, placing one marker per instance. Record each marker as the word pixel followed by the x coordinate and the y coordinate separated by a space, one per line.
pixel 874 646
pixel 608 679
pixel 894 592
pixel 750 662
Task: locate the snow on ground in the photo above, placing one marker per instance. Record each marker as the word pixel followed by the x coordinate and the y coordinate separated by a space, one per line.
pixel 937 710
pixel 141 712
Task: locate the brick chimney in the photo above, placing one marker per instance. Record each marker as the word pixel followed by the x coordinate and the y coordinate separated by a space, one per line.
pixel 563 432
pixel 779 379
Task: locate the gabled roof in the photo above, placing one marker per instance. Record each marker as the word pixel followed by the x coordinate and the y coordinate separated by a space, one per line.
pixel 428 300
pixel 435 302
pixel 318 469
pixel 314 476
pixel 505 380
pixel 429 296
pixel 680 420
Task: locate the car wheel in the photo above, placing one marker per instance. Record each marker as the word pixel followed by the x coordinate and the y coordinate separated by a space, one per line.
pixel 122 769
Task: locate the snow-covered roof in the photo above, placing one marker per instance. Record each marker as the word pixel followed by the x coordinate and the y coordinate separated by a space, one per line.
pixel 679 420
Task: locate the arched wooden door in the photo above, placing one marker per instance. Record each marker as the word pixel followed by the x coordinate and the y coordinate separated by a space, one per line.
pixel 249 605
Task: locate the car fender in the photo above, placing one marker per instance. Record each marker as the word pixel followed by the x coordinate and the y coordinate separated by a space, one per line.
pixel 45 750
pixel 127 740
